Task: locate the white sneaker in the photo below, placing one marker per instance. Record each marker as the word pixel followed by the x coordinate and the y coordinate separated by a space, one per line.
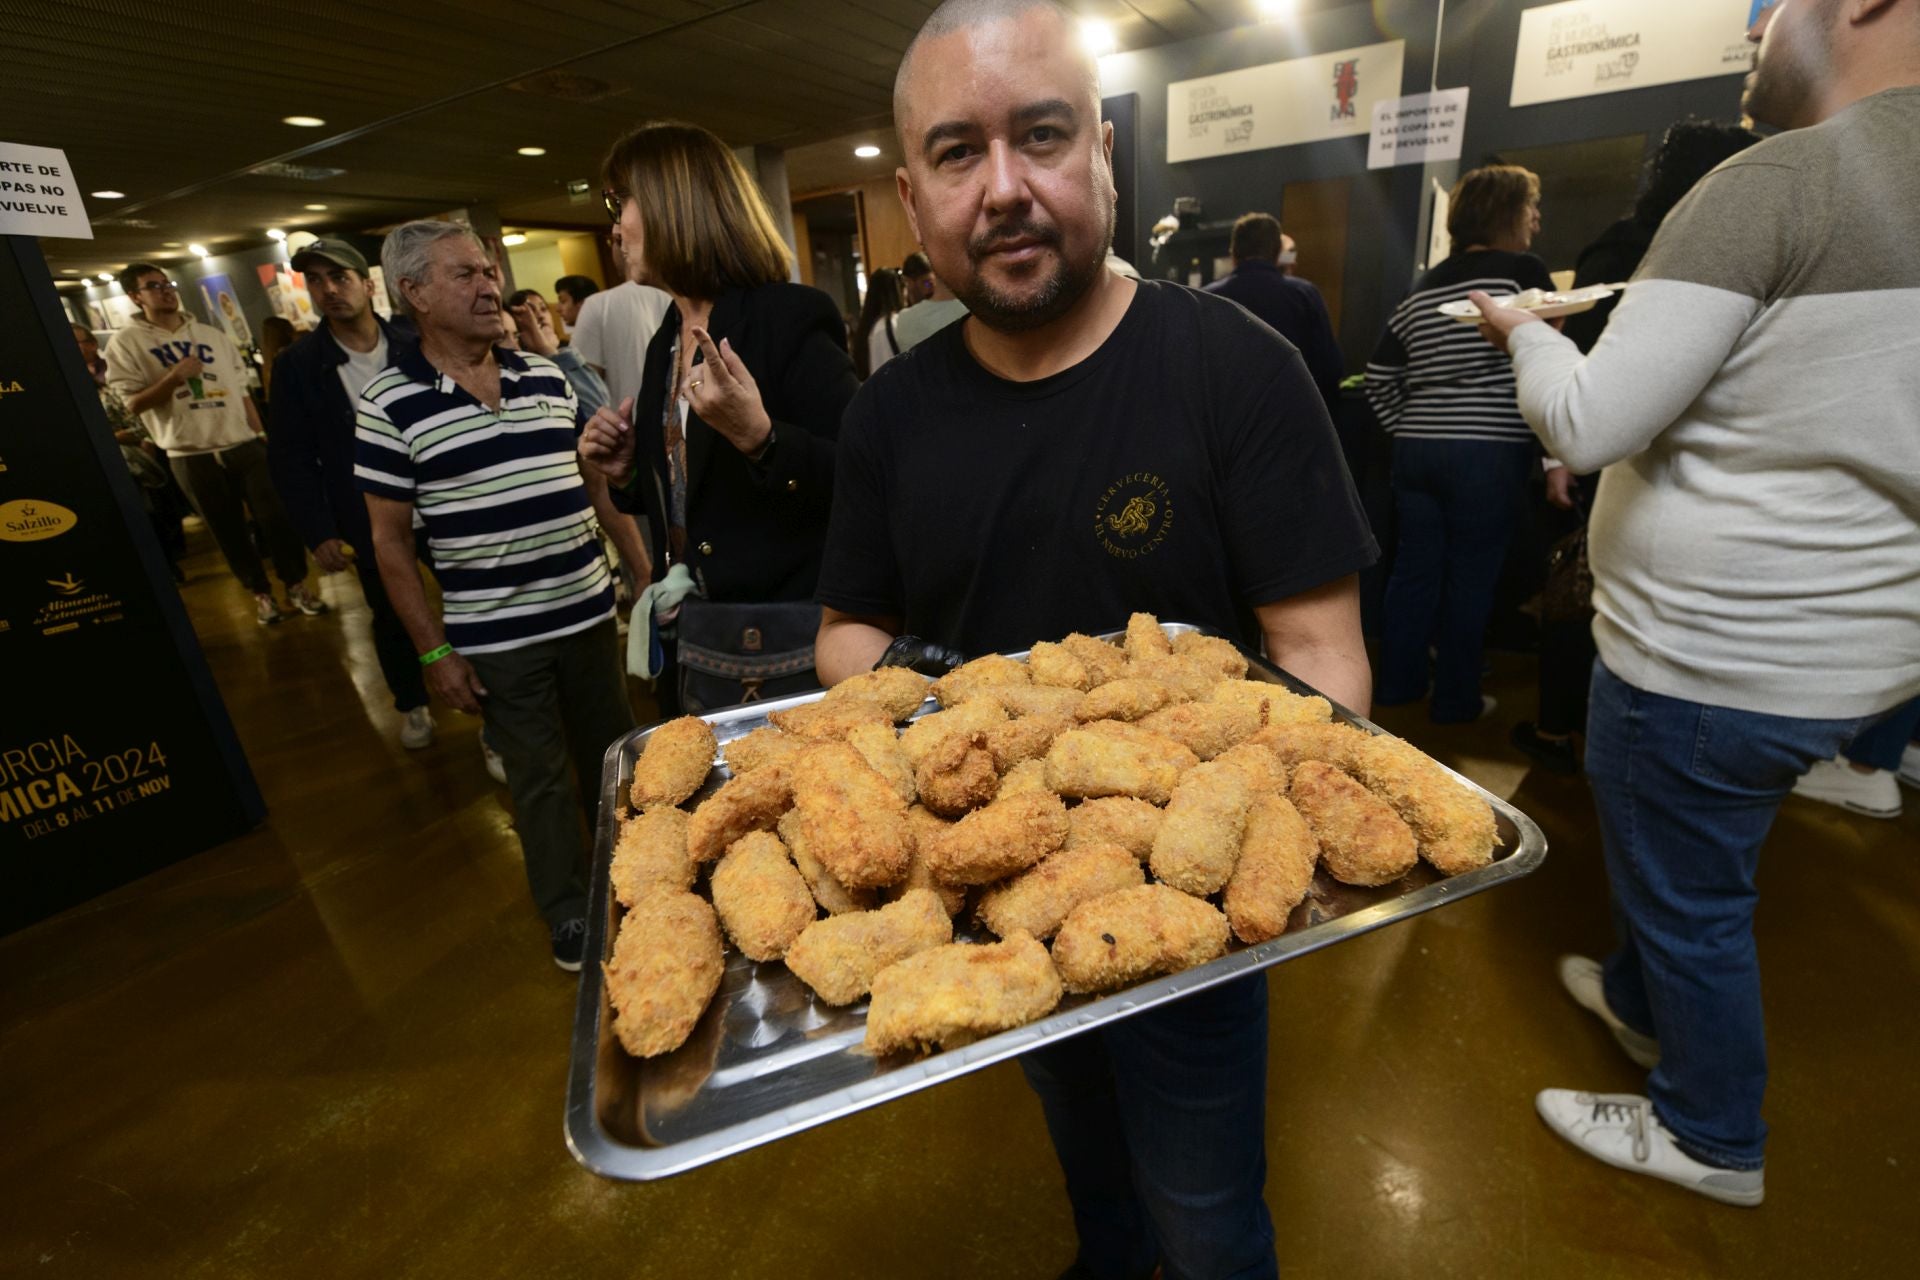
pixel 265 611
pixel 299 598
pixel 417 730
pixel 1621 1129
pixel 496 767
pixel 1581 977
pixel 1836 782
pixel 1910 765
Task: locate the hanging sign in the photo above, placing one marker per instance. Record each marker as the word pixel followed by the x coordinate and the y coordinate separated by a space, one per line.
pixel 1330 95
pixel 1586 47
pixel 39 195
pixel 1418 128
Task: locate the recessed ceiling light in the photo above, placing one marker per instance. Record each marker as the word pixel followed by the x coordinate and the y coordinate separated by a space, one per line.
pixel 109 195
pixel 513 238
pixel 1277 8
pixel 867 152
pixel 303 122
pixel 275 233
pixel 1097 36
pixel 533 151
pixel 170 244
pixel 317 208
pixel 198 250
pixel 104 278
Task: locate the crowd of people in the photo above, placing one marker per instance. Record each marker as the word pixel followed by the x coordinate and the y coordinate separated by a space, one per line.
pixel 1733 612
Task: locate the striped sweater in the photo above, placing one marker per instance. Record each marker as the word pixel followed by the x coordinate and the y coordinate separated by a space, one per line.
pixel 1436 378
pixel 1755 400
pixel 508 522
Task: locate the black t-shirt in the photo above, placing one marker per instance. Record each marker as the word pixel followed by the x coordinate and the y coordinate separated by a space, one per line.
pixel 1186 468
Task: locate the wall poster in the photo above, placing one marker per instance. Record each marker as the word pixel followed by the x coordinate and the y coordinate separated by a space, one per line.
pixel 1328 95
pixel 1586 47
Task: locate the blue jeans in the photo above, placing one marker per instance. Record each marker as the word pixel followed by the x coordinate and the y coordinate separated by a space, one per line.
pixel 1457 503
pixel 1159 1123
pixel 1686 794
pixel 1884 744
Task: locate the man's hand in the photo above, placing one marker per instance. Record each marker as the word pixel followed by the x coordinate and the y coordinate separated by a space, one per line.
pixel 536 331
pixel 606 442
pixel 332 555
pixel 726 397
pixel 453 680
pixel 190 367
pixel 1560 487
pixel 1500 321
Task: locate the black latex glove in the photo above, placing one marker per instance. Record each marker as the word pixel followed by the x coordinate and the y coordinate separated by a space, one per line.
pixel 924 656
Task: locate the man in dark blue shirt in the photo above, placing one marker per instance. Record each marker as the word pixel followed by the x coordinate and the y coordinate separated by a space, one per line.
pixel 1291 306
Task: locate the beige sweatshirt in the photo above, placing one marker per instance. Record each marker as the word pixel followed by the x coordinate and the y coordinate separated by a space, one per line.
pixel 206 413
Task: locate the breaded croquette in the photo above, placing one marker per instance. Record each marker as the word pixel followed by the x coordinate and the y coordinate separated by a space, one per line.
pixel 839 956
pixel 1281 704
pixel 958 775
pixel 1027 738
pixel 1277 857
pixel 760 897
pixel 898 689
pixel 1145 638
pixel 970 678
pixel 763 746
pixel 1199 838
pixel 1028 775
pixel 1292 743
pixel 974 716
pixel 1204 728
pixel 1454 827
pixel 1052 664
pixel 674 763
pixel 1129 698
pixel 1260 765
pixel 830 721
pixel 852 819
pixel 880 747
pixel 1362 841
pixel 947 996
pixel 1132 824
pixel 1097 761
pixel 1218 650
pixel 1034 700
pixel 834 898
pixel 1039 898
pixel 1008 835
pixel 1192 679
pixel 927 827
pixel 651 853
pixel 666 965
pixel 1136 933
pixel 751 802
pixel 1103 659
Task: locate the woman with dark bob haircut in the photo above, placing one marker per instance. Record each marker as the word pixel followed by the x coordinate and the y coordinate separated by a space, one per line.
pixel 1462 454
pixel 728 450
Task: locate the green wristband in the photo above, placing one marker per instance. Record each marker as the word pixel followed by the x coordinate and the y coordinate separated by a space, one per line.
pixel 432 656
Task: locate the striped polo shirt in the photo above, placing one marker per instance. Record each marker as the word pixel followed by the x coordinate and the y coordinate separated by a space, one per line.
pixel 506 512
pixel 1435 378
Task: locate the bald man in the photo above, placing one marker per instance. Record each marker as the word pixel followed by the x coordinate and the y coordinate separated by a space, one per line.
pixel 1081 446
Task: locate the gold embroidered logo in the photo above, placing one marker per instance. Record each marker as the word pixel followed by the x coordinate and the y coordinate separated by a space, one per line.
pixel 1134 515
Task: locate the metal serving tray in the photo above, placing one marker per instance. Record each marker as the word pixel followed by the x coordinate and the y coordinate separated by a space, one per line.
pixel 767 1059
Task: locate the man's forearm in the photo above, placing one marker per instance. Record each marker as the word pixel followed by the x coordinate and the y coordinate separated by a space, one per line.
pixel 152 396
pixel 620 526
pixel 847 646
pixel 1341 672
pixel 400 575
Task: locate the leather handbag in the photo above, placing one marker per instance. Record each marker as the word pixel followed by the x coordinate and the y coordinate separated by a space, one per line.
pixel 734 653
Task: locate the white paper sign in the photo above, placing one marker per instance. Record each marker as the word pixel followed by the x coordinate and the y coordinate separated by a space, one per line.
pixel 1417 128
pixel 1586 47
pixel 39 195
pixel 1330 95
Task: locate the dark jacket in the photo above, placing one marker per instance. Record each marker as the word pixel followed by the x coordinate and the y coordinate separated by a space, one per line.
pixel 1295 310
pixel 1613 257
pixel 754 531
pixel 310 437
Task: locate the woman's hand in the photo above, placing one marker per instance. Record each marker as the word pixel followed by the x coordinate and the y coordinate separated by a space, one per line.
pixel 606 442
pixel 726 397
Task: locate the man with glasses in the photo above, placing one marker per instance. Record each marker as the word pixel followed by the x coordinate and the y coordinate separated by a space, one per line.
pixel 187 382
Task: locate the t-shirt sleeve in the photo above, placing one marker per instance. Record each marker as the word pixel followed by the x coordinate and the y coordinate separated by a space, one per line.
pixel 382 463
pixel 1289 513
pixel 858 572
pixel 587 337
pixel 126 373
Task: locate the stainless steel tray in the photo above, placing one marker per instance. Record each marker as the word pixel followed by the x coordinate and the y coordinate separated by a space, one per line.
pixel 768 1059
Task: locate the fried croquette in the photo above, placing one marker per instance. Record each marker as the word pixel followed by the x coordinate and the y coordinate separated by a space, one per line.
pixel 1052 664
pixel 1204 728
pixel 825 721
pixel 852 819
pixel 1145 638
pixel 1027 738
pixel 927 827
pixel 899 690
pixel 1035 700
pixel 751 802
pixel 1009 835
pixel 958 775
pixel 1217 650
pixel 1129 698
pixel 1281 704
pixel 1293 743
pixel 880 747
pixel 1039 898
pixel 839 956
pixel 674 763
pixel 1094 761
pixel 1136 933
pixel 1028 775
pixel 761 899
pixel 1362 840
pixel 1132 824
pixel 763 746
pixel 1454 827
pixel 1192 679
pixel 1260 765
pixel 1103 659
pixel 1199 838
pixel 651 853
pixel 974 716
pixel 950 995
pixel 1277 857
pixel 666 965
pixel 970 678
pixel 834 898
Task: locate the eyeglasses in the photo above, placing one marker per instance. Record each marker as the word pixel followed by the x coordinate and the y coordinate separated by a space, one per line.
pixel 613 200
pixel 157 284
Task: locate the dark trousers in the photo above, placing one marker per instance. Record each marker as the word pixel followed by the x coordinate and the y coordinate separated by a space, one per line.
pixel 398 662
pixel 1566 673
pixel 552 709
pixel 1159 1123
pixel 223 487
pixel 1456 504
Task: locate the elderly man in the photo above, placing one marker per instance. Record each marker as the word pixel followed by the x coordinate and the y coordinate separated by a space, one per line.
pixel 479 440
pixel 1756 556
pixel 971 508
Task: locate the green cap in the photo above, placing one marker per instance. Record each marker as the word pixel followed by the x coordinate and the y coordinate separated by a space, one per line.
pixel 338 252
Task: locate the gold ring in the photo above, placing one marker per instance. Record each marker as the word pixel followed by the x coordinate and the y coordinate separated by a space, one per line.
pixel 695 384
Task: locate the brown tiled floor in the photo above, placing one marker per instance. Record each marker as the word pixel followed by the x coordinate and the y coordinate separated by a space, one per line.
pixel 336 1047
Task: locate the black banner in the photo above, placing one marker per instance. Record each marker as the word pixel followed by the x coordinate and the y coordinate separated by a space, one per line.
pixel 116 753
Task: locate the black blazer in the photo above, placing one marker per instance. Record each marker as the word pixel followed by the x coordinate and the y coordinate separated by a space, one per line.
pixel 754 531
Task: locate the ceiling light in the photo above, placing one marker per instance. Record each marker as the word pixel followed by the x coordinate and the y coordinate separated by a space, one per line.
pixel 1097 36
pixel 109 195
pixel 867 152
pixel 317 208
pixel 513 238
pixel 275 233
pixel 1277 8
pixel 303 122
pixel 533 151
pixel 170 244
pixel 198 250
pixel 104 278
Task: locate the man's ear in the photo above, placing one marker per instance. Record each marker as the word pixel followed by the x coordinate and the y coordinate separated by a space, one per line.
pixel 1860 11
pixel 903 185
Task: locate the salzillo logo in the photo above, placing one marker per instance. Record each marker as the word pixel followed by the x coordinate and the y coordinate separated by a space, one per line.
pixel 28 520
pixel 1134 515
pixel 1346 83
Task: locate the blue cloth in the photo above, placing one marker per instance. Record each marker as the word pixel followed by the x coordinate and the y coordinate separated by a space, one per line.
pixel 1456 503
pixel 1159 1122
pixel 1884 744
pixel 588 386
pixel 1294 309
pixel 1686 794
